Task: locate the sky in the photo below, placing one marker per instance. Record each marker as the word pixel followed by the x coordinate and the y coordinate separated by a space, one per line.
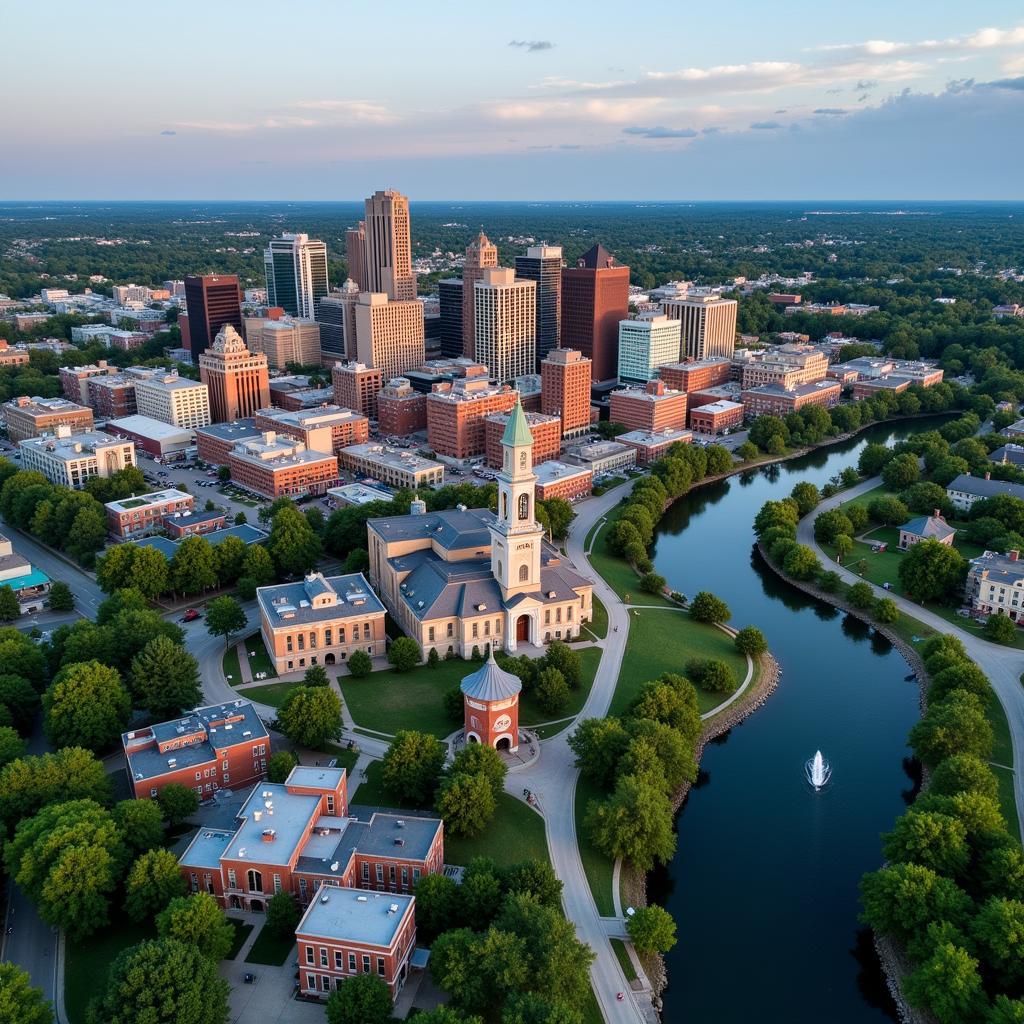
pixel 554 100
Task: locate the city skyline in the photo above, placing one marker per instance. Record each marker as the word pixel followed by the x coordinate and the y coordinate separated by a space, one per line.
pixel 761 107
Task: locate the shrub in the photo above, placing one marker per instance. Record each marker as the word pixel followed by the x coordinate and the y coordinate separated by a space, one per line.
pixel 360 664
pixel 1001 630
pixel 751 641
pixel 404 653
pixel 861 596
pixel 886 611
pixel 652 583
pixel 711 674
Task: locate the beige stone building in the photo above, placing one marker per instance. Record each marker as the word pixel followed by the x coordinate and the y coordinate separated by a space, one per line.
pixel 388 248
pixel 389 335
pixel 481 254
pixel 237 380
pixel 287 340
pixel 708 324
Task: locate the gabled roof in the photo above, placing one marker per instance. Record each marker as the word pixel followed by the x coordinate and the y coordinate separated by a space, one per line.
pixel 928 527
pixel 597 257
pixel 490 682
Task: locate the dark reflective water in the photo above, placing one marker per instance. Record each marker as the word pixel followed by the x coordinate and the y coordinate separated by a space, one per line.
pixel 763 887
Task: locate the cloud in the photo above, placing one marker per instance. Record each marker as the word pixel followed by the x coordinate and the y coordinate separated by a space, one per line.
pixel 660 132
pixel 570 145
pixel 766 125
pixel 361 111
pixel 533 45
pixel 831 111
pixel 711 129
pixel 1016 84
pixel 167 131
pixel 983 39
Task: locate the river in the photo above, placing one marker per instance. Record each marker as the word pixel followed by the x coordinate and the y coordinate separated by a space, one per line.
pixel 763 886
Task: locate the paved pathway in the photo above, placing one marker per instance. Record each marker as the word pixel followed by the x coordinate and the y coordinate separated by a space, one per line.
pixel 1002 665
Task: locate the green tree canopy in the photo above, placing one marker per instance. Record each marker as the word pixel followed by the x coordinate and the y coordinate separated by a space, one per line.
pixel 411 768
pixel 224 616
pixel 197 920
pixel 20 1003
pixel 293 545
pixel 153 881
pixel 364 999
pixel 311 716
pixel 706 607
pixel 931 571
pixel 651 929
pixel 86 705
pixel 467 804
pixel 165 678
pixel 635 822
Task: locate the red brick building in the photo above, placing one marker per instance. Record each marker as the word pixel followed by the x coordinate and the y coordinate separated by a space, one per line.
pixel 777 401
pixel 223 746
pixel 651 408
pixel 113 397
pixel 401 410
pixel 215 442
pixel 32 417
pixel 74 379
pixel 695 374
pixel 559 480
pixel 275 466
pixel 490 699
pixel 565 389
pixel 141 515
pixel 547 437
pixel 194 524
pixel 595 298
pixel 456 415
pixel 714 417
pixel 327 429
pixel 356 386
pixel 652 446
pixel 871 386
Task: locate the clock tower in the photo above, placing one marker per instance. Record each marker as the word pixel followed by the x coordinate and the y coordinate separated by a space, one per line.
pixel 516 536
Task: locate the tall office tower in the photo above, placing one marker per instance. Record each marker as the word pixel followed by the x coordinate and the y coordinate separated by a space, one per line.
pixel 565 389
pixel 296 267
pixel 338 324
pixel 389 335
pixel 388 249
pixel 480 254
pixel 505 316
pixel 449 291
pixel 644 345
pixel 595 297
pixel 708 325
pixel 237 380
pixel 355 253
pixel 212 300
pixel 543 264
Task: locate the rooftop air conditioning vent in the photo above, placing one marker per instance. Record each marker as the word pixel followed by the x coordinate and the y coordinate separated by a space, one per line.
pixel 325 898
pixel 362 899
pixel 399 841
pixel 335 866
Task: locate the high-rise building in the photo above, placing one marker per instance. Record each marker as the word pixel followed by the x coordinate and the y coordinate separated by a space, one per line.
pixel 644 345
pixel 595 297
pixel 480 255
pixel 355 254
pixel 543 264
pixel 505 315
pixel 708 324
pixel 337 320
pixel 165 396
pixel 389 334
pixel 388 248
pixel 355 387
pixel 449 293
pixel 287 340
pixel 237 380
pixel 296 267
pixel 565 389
pixel 212 300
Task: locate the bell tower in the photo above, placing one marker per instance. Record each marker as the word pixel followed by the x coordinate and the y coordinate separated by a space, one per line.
pixel 516 536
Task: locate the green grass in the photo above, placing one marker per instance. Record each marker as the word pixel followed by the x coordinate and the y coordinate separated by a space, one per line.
pixel 242 930
pixel 370 792
pixel 269 949
pixel 1002 754
pixel 273 694
pixel 232 670
pixel 259 661
pixel 515 834
pixel 591 1011
pixel 87 963
pixel 623 957
pixel 598 624
pixel 617 572
pixel 346 758
pixel 597 867
pixel 663 641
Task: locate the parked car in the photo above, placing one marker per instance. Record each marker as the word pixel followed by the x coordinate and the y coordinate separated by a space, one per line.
pixel 191 614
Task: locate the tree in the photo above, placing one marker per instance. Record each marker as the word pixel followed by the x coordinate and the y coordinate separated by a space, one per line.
pixel 153 881
pixel 1006 1011
pixel 598 744
pixel 19 696
pixel 194 567
pixel 652 930
pixel 551 691
pixel 364 999
pixel 888 510
pixel 21 656
pixel 12 746
pixel 411 768
pixel 20 1003
pixel 652 582
pixel 861 596
pixel 952 726
pixel 404 653
pixel 901 899
pixel 948 985
pixel 536 878
pixel 829 581
pixel 177 802
pixel 963 773
pixel 86 705
pixel 873 459
pixel 141 823
pixel 257 571
pixel 705 607
pixel 764 429
pixel 831 524
pixel 467 804
pixel 10 607
pixel 165 678
pixel 283 914
pixel 162 981
pixel 751 642
pixel 316 675
pixel 280 765
pixel 311 716
pixel 931 571
pixel 360 664
pixel 479 759
pixel 1001 629
pixel 68 859
pixel 437 899
pixel 480 893
pixel 961 675
pixel 562 657
pixel 886 611
pixel 197 920
pixel 807 497
pixel 998 929
pixel 936 841
pixel 901 471
pixel 635 822
pixel 801 563
pixel 60 598
pixel 224 616
pixel 293 545
pixel 229 556
pixel 479 970
pixel 449 1015
pixel 711 674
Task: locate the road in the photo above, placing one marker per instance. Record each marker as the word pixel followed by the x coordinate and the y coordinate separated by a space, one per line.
pixel 1002 665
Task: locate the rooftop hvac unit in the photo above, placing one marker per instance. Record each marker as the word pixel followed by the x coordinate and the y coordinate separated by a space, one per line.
pixel 393 909
pixel 334 866
pixel 362 899
pixel 324 898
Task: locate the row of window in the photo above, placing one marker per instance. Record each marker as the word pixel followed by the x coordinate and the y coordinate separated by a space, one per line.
pixel 339 963
pixel 392 875
pixel 293 640
pixel 313 660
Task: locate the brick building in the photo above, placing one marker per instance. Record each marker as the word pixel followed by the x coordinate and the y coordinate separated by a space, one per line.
pixel 773 400
pixel 222 746
pixel 32 417
pixel 788 366
pixel 327 429
pixel 652 446
pixel 457 413
pixel 565 389
pixel 696 374
pixel 602 457
pixel 490 704
pixel 653 407
pixel 401 409
pixel 112 397
pixel 159 439
pixel 560 480
pixel 74 380
pixel 135 517
pixel 868 387
pixel 237 380
pixel 356 386
pixel 275 466
pixel 546 431
pixel 11 355
pixel 595 298
pixel 215 442
pixel 195 524
pixel 714 417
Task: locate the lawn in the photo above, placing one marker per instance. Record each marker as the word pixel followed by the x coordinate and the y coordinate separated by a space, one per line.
pixel 259 660
pixel 242 930
pixel 663 641
pixel 273 694
pixel 530 713
pixel 597 867
pixel 269 949
pixel 1002 754
pixel 346 758
pixel 86 963
pixel 598 624
pixel 515 834
pixel 232 670
pixel 623 956
pixel 617 572
pixel 591 1011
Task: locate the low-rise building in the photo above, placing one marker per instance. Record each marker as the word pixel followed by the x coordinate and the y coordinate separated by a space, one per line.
pixel 12 355
pixel 457 413
pixel 356 385
pixel 70 459
pixel 221 746
pixel 966 489
pixel 357 494
pixel 652 445
pixel 716 417
pixel 396 467
pixel 401 409
pixel 161 440
pixel 32 417
pixel 145 513
pixel 275 466
pixel 933 527
pixel 166 396
pixel 112 397
pixel 770 399
pixel 296 392
pixel 74 380
pixel 602 457
pixel 995 584
pixel 560 480
pixel 320 620
pixel 871 386
pixel 1008 455
pixel 215 442
pixel 180 525
pixel 191 524
pixel 652 407
pixel 328 428
pixel 785 365
pixel 695 374
pixel 30 585
pixel 546 431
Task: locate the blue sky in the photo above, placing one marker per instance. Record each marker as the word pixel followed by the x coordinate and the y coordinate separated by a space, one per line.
pixel 318 100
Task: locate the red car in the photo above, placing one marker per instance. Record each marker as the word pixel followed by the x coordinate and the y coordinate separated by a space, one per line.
pixel 191 615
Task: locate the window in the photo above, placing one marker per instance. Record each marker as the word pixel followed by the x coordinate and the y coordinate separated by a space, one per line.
pixel 339 960
pixel 208 882
pixel 366 963
pixel 199 775
pixel 312 641
pixel 405 877
pixel 355 632
pixel 524 505
pixel 451 629
pixel 366 872
pixel 255 880
pixel 391 874
pixel 309 955
pixel 380 966
pixel 380 872
pixel 330 803
pixel 152 792
pixel 302 641
pixel 430 634
pixel 341 634
pixel 524 573
pixel 288 644
pixel 232 883
pixel 224 766
pixel 352 963
pixel 476 630
pixel 487 628
pixel 415 875
pixel 328 635
pixel 323 957
pixel 277 883
pixel 547 616
pixel 195 882
pixel 311 981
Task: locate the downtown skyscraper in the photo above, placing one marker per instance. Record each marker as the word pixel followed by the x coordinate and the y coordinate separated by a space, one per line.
pixel 296 267
pixel 388 267
pixel 543 264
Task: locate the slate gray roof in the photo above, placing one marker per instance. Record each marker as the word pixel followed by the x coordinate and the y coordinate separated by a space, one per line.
pixel 1009 453
pixel 490 682
pixel 998 568
pixel 982 488
pixel 437 588
pixel 452 529
pixel 355 598
pixel 928 527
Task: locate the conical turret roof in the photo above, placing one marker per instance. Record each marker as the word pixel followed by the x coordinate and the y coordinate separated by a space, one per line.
pixel 491 682
pixel 517 430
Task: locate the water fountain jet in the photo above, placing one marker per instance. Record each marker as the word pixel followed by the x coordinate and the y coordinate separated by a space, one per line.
pixel 818 771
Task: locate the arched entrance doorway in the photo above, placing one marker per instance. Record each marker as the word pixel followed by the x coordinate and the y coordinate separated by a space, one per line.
pixel 256 906
pixel 505 743
pixel 523 627
pixel 328 659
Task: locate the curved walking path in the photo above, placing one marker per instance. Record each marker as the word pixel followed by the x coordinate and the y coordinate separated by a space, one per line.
pixel 1002 665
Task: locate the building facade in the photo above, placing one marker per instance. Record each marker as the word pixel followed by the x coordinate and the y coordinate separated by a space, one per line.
pixel 595 298
pixel 401 410
pixel 145 513
pixel 215 442
pixel 651 446
pixel 286 340
pixel 166 396
pixel 645 344
pixel 355 386
pixel 773 400
pixel 565 389
pixel 276 467
pixel 653 407
pixel 395 467
pixel 296 269
pixel 481 255
pixel 388 246
pixel 490 701
pixel 355 255
pixel 327 429
pixel 71 459
pixel 237 380
pixel 716 417
pixel 505 319
pixel 389 333
pixel 543 265
pixel 456 414
pixel 559 480
pixel 32 417
pixel 546 432
pixel 213 301
pixel 708 324
pixel 695 374
pixel 449 294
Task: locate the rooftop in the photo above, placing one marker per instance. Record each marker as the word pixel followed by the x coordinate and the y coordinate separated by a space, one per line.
pixel 453 529
pixel 205 849
pixel 153 498
pixel 722 405
pixel 928 527
pixel 490 682
pixel 72 447
pixel 645 438
pixel 245 532
pixel 553 470
pixel 318 598
pixel 146 426
pixel 356 915
pixel 999 568
pixel 979 486
pixel 794 392
pixel 358 494
pixel 396 458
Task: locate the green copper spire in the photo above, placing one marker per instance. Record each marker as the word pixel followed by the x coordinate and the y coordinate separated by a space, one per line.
pixel 517 430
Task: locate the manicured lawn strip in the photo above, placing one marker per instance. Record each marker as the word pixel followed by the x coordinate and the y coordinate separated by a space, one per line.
pixel 516 833
pixel 242 929
pixel 663 641
pixel 617 572
pixel 596 865
pixel 232 670
pixel 370 792
pixel 598 624
pixel 346 758
pixel 273 694
pixel 591 1011
pixel 269 949
pixel 259 660
pixel 1008 801
pixel 87 963
pixel 623 956
pixel 530 713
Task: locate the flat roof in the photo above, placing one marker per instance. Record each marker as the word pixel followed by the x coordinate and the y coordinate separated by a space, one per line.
pixel 152 498
pixel 647 438
pixel 285 815
pixel 34 578
pixel 720 406
pixel 355 915
pixel 233 431
pixel 148 427
pixel 245 532
pixel 205 848
pixel 317 778
pixel 552 470
pixel 395 458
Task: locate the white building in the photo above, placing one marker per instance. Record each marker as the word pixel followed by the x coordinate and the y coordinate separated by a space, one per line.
pixel 71 459
pixel 646 344
pixel 505 324
pixel 165 396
